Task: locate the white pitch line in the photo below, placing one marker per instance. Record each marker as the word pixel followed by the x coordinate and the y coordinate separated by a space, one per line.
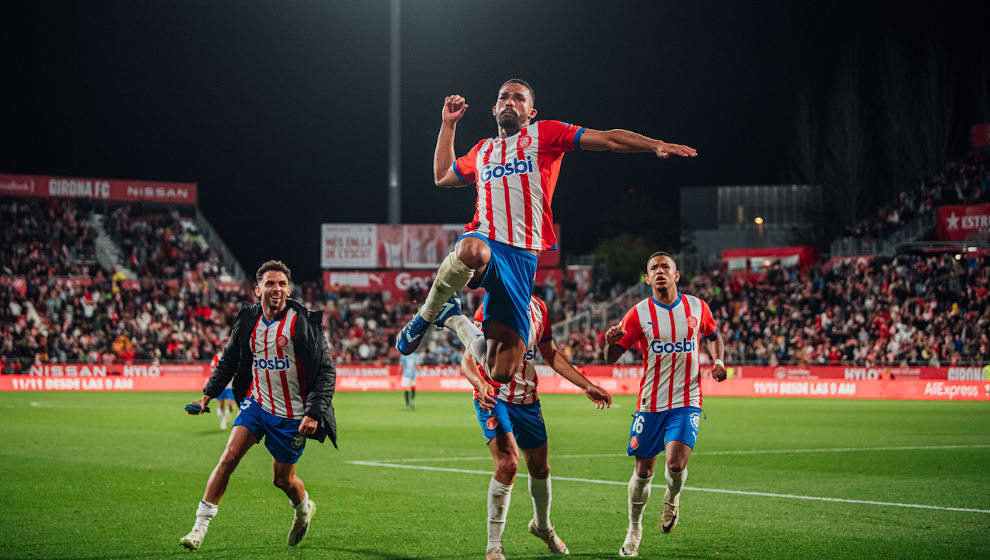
pixel 714 490
pixel 737 452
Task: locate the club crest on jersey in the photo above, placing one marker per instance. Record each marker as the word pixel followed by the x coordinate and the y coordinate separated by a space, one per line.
pixel 682 346
pixel 281 341
pixel 492 422
pixel 525 141
pixel 514 167
pixel 692 322
pixel 633 442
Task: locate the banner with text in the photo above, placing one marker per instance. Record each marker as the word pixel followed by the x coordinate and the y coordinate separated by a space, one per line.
pixel 812 373
pixel 97 189
pixel 961 223
pixel 893 389
pixel 412 246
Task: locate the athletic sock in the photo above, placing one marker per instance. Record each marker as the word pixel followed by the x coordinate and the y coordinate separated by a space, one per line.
pixel 407 397
pixel 639 494
pixel 539 489
pixel 470 337
pixel 302 508
pixel 205 512
pixel 498 506
pixel 452 276
pixel 675 481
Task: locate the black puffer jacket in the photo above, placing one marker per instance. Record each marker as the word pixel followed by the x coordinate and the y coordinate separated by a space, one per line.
pixel 311 351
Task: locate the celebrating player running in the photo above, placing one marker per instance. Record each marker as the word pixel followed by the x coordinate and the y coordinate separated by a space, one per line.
pixel 666 330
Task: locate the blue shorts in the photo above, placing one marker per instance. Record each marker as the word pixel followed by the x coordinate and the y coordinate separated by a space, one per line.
pixel 651 431
pixel 508 284
pixel 523 421
pixel 281 435
pixel 227 394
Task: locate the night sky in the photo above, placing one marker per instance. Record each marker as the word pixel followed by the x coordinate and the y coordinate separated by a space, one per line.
pixel 279 110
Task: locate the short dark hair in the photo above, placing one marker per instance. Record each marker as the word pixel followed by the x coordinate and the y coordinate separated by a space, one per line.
pixel 525 84
pixel 660 254
pixel 272 265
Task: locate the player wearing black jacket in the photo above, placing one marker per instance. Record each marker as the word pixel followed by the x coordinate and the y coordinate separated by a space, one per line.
pixel 278 348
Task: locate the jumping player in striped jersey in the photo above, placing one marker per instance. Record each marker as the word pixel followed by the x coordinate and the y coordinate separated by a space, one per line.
pixel 515 174
pixel 283 378
pixel 511 419
pixel 666 328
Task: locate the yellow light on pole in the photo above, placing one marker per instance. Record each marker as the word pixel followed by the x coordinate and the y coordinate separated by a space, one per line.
pixel 758 221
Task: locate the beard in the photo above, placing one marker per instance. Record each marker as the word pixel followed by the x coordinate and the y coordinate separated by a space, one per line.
pixel 508 120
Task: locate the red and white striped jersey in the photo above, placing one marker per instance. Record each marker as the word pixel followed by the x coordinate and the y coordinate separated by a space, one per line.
pixel 279 383
pixel 515 178
pixel 522 388
pixel 668 338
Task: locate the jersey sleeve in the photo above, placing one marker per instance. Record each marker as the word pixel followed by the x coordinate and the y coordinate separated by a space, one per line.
pixel 633 329
pixel 559 136
pixel 466 166
pixel 708 327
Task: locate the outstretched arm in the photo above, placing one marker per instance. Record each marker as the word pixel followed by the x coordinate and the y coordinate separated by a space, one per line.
pixel 563 366
pixel 454 107
pixel 619 140
pixel 716 349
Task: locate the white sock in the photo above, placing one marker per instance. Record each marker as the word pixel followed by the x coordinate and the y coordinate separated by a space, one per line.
pixel 303 506
pixel 205 512
pixel 470 337
pixel 675 480
pixel 639 494
pixel 539 489
pixel 498 506
pixel 452 275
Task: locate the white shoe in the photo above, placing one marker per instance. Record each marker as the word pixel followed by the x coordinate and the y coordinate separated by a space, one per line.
pixel 300 523
pixel 548 536
pixel 630 547
pixel 494 553
pixel 193 540
pixel 671 512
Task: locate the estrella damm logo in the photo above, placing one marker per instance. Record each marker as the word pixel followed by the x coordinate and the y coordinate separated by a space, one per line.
pixel 682 346
pixel 514 167
pixel 272 365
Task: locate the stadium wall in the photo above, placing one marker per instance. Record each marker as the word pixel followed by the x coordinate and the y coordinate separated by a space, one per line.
pixel 191 377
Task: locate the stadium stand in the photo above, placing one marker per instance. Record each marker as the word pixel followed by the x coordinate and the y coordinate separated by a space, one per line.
pixel 166 296
pixel 911 215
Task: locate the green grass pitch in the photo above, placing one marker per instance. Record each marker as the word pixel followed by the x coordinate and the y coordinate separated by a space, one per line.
pixel 93 476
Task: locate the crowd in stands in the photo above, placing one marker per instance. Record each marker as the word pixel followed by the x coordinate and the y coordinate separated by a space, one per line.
pixel 161 244
pixel 910 310
pixel 44 237
pixel 924 309
pixel 964 181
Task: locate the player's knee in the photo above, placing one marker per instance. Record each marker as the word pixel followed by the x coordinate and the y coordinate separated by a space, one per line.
pixel 473 253
pixel 507 466
pixel 228 462
pixel 282 482
pixel 676 464
pixel 539 471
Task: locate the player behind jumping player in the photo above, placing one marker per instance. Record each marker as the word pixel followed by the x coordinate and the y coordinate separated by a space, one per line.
pixel 511 419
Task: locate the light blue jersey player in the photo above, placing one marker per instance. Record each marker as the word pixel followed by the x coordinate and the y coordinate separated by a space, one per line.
pixel 410 364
